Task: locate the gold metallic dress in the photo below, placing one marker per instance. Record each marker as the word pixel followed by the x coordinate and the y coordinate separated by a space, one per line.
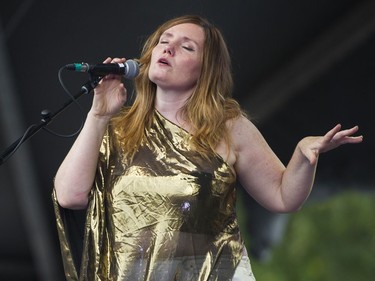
pixel 169 215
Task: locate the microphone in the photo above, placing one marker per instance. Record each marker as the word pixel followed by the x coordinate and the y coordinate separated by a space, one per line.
pixel 129 69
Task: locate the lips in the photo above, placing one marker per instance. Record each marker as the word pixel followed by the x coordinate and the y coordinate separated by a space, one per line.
pixel 163 61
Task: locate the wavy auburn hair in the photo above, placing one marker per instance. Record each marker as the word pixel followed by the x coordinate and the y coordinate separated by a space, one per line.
pixel 207 110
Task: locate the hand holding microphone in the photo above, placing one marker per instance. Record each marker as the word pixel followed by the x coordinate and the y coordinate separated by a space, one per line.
pixel 110 94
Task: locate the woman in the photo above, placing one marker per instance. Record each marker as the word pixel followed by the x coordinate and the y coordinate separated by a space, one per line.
pixel 158 178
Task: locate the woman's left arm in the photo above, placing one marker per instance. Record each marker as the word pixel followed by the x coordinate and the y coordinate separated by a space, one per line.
pixel 298 177
pixel 266 179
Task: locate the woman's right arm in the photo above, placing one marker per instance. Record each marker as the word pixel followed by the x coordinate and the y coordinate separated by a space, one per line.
pixel 75 176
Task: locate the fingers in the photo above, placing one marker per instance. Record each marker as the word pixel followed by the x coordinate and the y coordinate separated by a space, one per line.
pixel 348 133
pixel 107 60
pixel 331 133
pixel 337 137
pixel 118 60
pixel 356 139
pixel 336 133
pixel 113 60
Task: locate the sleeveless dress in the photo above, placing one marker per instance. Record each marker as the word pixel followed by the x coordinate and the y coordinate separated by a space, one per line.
pixel 168 215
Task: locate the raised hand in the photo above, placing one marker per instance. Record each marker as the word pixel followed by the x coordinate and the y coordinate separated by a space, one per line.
pixel 311 147
pixel 110 94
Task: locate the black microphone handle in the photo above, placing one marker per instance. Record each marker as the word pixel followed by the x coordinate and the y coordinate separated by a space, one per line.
pixel 107 68
pixel 129 69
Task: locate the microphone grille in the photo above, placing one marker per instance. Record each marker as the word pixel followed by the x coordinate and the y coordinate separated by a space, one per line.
pixel 132 69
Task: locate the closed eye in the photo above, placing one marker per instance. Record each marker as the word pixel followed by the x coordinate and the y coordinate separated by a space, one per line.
pixel 188 48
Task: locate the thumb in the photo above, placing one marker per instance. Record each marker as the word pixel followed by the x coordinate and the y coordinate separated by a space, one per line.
pixel 312 156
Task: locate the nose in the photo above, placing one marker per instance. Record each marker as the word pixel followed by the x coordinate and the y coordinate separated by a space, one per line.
pixel 169 49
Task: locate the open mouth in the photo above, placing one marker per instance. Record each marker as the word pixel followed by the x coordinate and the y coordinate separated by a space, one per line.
pixel 163 61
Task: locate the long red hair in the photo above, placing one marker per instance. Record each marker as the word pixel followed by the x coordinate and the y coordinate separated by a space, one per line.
pixel 207 110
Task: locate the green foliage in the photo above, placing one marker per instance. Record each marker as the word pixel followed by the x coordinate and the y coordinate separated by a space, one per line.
pixel 333 240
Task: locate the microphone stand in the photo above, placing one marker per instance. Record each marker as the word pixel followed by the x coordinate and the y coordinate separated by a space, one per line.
pixel 47 117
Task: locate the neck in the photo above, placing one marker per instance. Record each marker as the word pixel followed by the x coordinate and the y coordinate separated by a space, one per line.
pixel 170 103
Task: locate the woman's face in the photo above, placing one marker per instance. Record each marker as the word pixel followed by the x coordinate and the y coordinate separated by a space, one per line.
pixel 177 59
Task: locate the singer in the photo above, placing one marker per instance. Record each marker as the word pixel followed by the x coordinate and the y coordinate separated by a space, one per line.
pixel 158 178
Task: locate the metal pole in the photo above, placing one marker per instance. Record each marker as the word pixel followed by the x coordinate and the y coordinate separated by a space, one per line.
pixel 23 177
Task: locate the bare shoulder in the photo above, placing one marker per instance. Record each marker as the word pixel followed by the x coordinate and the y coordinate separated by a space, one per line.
pixel 256 165
pixel 243 132
pixel 240 122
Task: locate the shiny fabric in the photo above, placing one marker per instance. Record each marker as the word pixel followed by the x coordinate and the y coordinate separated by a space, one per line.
pixel 169 214
pixel 244 271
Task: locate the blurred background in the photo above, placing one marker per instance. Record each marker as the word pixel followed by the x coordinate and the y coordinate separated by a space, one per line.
pixel 300 67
